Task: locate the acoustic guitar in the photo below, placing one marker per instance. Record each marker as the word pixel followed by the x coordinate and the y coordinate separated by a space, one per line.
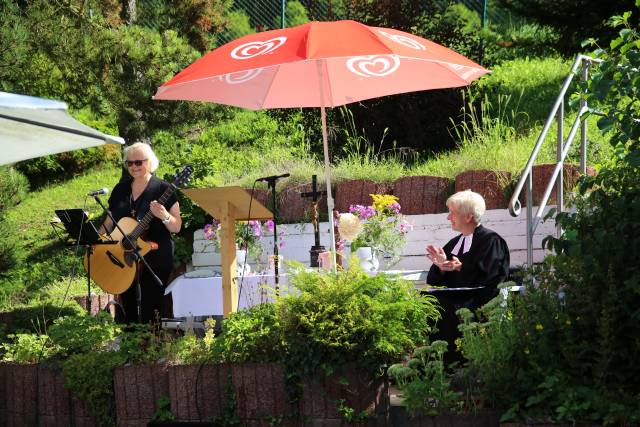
pixel 113 266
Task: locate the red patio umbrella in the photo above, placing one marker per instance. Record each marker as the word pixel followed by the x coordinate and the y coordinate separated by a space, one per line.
pixel 319 64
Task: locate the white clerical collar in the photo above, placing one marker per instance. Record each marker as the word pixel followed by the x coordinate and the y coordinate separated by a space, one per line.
pixel 467 244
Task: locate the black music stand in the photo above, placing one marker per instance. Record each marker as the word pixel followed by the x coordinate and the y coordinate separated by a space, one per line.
pixel 81 231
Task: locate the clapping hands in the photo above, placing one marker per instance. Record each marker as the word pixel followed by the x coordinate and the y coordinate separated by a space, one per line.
pixel 439 258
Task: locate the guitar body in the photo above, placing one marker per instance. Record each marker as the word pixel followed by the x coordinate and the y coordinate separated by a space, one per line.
pixel 113 267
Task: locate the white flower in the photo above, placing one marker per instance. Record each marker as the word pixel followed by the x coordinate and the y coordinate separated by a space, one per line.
pixel 349 226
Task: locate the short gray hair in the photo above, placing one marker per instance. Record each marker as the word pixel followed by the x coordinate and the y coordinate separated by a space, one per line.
pixel 468 202
pixel 153 159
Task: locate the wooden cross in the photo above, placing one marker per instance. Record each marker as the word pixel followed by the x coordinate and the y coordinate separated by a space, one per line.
pixel 315 195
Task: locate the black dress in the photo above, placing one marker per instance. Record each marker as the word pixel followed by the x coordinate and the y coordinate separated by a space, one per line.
pixel 121 204
pixel 484 266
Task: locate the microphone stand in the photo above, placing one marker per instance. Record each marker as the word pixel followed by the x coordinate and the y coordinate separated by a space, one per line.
pixel 136 251
pixel 271 182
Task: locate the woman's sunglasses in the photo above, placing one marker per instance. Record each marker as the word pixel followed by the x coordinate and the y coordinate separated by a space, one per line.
pixel 135 162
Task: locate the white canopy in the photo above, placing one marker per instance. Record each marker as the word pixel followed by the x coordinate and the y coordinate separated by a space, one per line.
pixel 33 127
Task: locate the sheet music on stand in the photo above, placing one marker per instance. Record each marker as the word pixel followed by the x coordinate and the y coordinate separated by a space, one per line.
pixel 78 228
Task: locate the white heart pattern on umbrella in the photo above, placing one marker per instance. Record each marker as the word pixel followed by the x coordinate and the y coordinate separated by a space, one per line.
pixel 404 40
pixel 240 77
pixel 373 65
pixel 256 48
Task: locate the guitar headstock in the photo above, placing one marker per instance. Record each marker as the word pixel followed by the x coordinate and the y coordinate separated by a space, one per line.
pixel 183 177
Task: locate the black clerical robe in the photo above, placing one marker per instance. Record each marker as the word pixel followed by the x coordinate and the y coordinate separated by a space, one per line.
pixel 484 266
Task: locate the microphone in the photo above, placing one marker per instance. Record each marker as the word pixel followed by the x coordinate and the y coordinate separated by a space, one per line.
pixel 98 192
pixel 272 177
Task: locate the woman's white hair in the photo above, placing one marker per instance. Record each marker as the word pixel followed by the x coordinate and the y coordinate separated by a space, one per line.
pixel 149 154
pixel 468 202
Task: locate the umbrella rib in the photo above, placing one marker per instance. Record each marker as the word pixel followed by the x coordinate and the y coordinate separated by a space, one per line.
pixel 275 74
pixel 54 127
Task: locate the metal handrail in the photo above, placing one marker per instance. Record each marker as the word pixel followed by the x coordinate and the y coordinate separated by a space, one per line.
pixel 562 149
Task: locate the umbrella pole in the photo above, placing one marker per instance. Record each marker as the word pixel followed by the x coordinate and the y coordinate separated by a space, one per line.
pixel 327 178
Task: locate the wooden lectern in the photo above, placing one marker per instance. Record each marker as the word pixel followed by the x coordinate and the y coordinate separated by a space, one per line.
pixel 228 205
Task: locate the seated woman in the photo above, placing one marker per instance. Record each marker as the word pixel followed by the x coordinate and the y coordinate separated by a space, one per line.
pixel 476 258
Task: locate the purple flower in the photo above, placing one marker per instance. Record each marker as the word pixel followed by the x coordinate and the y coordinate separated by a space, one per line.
pixel 340 245
pixel 395 207
pixel 270 225
pixel 210 230
pixel 362 212
pixel 257 228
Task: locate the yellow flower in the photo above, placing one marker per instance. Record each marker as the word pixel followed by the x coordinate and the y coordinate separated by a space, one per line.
pixel 539 327
pixel 568 322
pixel 382 201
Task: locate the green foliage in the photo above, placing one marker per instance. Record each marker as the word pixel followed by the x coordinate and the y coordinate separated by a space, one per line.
pixel 570 327
pixel 344 317
pixel 38 315
pixel 27 348
pixel 452 25
pixel 530 84
pixel 572 19
pixel 488 345
pixel 13 189
pixel 239 25
pixel 89 376
pixel 41 259
pixel 613 90
pixel 144 343
pixel 424 382
pixel 163 413
pixel 518 39
pixel 253 335
pixel 296 14
pixel 81 334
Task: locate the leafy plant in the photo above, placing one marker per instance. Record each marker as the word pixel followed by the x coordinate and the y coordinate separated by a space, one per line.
pixel 28 348
pixel 425 383
pixel 163 413
pixel 81 334
pixel 348 316
pixel 90 377
pixel 253 335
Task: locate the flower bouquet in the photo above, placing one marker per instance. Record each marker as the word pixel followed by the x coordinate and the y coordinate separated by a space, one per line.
pixel 380 226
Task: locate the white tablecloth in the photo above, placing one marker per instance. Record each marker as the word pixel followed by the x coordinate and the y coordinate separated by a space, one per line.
pixel 202 296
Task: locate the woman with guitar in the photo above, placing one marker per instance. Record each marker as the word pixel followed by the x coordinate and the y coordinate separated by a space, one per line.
pixel 137 197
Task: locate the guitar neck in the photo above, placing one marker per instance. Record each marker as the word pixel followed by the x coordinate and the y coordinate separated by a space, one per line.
pixel 146 220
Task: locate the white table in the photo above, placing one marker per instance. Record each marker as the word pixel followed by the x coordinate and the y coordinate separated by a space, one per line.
pixel 202 296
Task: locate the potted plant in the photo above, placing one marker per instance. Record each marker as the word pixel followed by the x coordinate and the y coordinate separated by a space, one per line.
pixel 248 238
pixel 378 228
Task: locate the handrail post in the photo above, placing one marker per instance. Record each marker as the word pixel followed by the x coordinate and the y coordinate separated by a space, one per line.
pixel 583 129
pixel 560 179
pixel 530 219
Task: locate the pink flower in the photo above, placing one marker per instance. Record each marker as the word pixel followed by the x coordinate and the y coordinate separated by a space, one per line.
pixel 362 212
pixel 270 225
pixel 210 230
pixel 395 207
pixel 340 245
pixel 257 228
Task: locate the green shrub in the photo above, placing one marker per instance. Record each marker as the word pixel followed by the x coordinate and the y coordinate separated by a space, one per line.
pixel 424 382
pixel 27 348
pixel 350 317
pixel 252 335
pixel 84 333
